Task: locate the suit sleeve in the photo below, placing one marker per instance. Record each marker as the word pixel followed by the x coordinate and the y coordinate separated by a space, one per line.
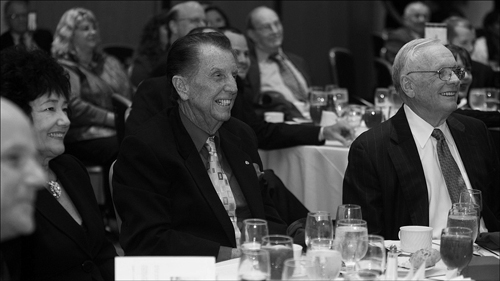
pixel 362 187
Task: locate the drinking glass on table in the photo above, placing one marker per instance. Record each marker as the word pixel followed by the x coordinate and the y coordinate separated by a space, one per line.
pixel 472 196
pixel 353 115
pixel 280 248
pixel 382 100
pixel 254 265
pixel 252 233
pixel 318 225
pixel 456 247
pixel 492 99
pixel 373 116
pixel 373 263
pixel 352 236
pixel 477 98
pixel 341 95
pixel 348 211
pixel 317 102
pixel 465 215
pixel 299 269
pixel 326 256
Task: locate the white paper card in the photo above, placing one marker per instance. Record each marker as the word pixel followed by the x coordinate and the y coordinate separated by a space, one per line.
pixel 436 31
pixel 164 268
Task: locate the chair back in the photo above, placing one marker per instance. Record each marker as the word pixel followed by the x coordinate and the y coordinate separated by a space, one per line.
pixel 121 107
pixel 342 69
pixel 383 73
pixel 378 42
pixel 118 219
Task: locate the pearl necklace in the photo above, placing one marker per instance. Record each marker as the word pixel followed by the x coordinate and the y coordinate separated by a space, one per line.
pixel 55 189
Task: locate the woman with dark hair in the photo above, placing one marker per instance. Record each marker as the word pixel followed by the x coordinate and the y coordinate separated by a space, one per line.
pixel 152 47
pixel 216 17
pixel 487 47
pixel 69 242
pixel 463 60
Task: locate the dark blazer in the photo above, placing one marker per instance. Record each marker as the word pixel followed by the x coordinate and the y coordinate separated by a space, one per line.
pixel 253 75
pixel 164 195
pixel 43 38
pixel 60 249
pixel 153 95
pixel 483 76
pixel 385 175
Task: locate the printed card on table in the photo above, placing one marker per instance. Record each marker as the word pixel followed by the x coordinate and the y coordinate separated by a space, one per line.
pixel 164 268
pixel 436 30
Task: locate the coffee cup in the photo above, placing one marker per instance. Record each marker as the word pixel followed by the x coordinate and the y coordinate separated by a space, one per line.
pixel 415 237
pixel 274 117
pixel 297 251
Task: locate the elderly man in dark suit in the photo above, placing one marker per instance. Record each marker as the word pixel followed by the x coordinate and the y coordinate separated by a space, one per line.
pixel 394 170
pixel 271 69
pixel 16 18
pixel 165 189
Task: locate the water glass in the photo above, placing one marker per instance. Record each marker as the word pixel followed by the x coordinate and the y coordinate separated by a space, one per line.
pixel 317 102
pixel 373 263
pixel 299 269
pixel 254 265
pixel 472 196
pixel 373 116
pixel 348 211
pixel 326 256
pixel 492 99
pixel 252 233
pixel 280 248
pixel 341 95
pixel 477 98
pixel 352 236
pixel 318 225
pixel 465 215
pixel 456 247
pixel 382 99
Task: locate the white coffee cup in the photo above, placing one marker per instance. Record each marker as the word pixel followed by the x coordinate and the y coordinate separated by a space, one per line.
pixel 297 251
pixel 415 237
pixel 274 117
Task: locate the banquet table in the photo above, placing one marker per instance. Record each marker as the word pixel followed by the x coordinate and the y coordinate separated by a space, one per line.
pixel 314 174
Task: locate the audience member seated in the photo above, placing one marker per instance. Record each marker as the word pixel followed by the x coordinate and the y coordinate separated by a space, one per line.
pixel 152 48
pixel 94 77
pixel 18 33
pixel 272 70
pixel 182 18
pixel 463 60
pixel 69 242
pixel 216 17
pixel 395 172
pixel 460 32
pixel 487 47
pixel 168 202
pixel 416 14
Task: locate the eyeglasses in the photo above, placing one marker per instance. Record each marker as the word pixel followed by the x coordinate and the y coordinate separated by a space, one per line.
pixel 194 20
pixel 268 28
pixel 18 16
pixel 445 73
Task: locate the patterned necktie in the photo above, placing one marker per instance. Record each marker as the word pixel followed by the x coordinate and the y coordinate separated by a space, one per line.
pixel 221 184
pixel 289 78
pixel 452 176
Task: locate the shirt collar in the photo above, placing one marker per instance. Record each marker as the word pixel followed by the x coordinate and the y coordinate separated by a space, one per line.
pixel 262 56
pixel 198 136
pixel 420 129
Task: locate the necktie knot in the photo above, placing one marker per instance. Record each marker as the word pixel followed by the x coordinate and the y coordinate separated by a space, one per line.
pixel 210 145
pixel 437 134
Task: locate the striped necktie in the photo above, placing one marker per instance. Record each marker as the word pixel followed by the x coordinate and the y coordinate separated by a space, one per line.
pixel 452 176
pixel 221 185
pixel 289 78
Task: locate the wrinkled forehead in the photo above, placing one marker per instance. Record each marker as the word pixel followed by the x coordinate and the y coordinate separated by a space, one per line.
pixel 417 9
pixel 213 56
pixel 264 16
pixel 433 57
pixel 190 10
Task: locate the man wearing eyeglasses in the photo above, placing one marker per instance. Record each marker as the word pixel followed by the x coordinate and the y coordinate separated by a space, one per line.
pixel 16 18
pixel 410 169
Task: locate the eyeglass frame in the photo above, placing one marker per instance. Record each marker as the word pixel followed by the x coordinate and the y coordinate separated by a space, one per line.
pixel 18 16
pixel 459 75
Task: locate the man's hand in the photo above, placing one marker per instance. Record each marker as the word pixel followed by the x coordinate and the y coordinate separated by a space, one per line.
pixel 341 131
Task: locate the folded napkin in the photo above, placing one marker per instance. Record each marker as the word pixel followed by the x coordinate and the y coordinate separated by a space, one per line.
pixel 490 240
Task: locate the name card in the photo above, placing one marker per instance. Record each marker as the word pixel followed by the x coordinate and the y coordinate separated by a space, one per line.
pixel 436 31
pixel 164 268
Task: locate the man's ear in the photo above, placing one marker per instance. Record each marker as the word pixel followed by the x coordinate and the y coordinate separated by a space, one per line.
pixel 407 86
pixel 181 86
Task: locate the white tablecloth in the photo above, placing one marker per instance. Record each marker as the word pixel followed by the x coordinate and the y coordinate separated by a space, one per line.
pixel 314 174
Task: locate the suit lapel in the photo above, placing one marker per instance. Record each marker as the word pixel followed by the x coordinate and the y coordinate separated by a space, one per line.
pixel 199 174
pixel 406 161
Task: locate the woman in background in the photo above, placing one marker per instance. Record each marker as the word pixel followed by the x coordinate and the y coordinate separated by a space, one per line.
pixel 463 60
pixel 216 17
pixel 69 241
pixel 94 78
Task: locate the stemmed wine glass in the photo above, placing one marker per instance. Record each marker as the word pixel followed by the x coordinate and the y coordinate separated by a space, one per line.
pixel 465 215
pixel 352 236
pixel 254 265
pixel 252 233
pixel 318 225
pixel 456 247
pixel 348 211
pixel 472 196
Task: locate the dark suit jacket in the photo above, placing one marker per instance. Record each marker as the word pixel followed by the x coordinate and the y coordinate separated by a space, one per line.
pixel 253 75
pixel 60 249
pixel 43 38
pixel 164 195
pixel 385 175
pixel 153 95
pixel 483 76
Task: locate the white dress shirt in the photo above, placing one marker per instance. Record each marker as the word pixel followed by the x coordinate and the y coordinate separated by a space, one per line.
pixel 439 198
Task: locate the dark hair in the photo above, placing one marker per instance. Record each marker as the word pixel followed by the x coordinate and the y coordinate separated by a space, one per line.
pixel 149 44
pixel 462 53
pixel 9 3
pixel 201 29
pixel 231 29
pixel 220 11
pixel 29 74
pixel 183 55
